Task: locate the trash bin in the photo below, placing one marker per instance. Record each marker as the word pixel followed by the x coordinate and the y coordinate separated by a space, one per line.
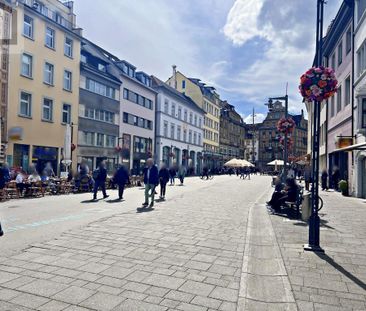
pixel 306 206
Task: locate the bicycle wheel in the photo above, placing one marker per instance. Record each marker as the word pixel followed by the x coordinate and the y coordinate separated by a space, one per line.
pixel 321 203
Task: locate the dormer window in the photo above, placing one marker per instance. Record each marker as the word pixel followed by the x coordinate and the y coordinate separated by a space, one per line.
pixel 131 72
pixel 101 67
pixel 83 58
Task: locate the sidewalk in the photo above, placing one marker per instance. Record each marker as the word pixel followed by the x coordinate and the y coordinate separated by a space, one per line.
pixel 335 280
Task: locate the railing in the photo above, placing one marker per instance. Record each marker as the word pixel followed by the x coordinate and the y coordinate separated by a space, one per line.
pixel 47 12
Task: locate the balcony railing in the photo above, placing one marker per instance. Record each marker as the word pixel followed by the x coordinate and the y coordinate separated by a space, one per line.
pixel 47 12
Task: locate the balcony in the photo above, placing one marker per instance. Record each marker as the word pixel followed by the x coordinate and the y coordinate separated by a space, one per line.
pixel 50 14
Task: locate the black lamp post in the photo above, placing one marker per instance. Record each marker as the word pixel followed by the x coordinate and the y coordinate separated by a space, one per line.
pixel 314 221
pixel 123 142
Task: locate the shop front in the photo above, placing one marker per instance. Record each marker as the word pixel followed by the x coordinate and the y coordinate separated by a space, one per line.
pixel 42 155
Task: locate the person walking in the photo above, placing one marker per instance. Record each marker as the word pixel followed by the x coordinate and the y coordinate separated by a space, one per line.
pixel 163 179
pixel 181 174
pixel 1 230
pixel 324 179
pixel 151 180
pixel 4 175
pixel 307 177
pixel 100 177
pixel 172 174
pixel 335 178
pixel 120 179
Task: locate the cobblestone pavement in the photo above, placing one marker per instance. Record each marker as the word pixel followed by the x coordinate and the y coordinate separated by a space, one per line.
pixel 336 280
pixel 211 246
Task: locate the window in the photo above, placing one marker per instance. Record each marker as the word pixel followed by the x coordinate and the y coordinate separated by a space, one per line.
pixel 183 84
pixel 339 99
pixel 199 139
pixel 333 61
pixel 361 60
pixel 179 130
pixel 47 109
pixel 347 97
pixel 66 113
pixel 101 67
pixel 173 110
pixel 25 104
pixel 48 73
pixel 137 99
pixel 191 118
pixel 110 141
pixel 361 7
pixel 340 53
pixel 83 58
pixel 165 129
pixel 195 120
pixel 102 89
pixel 179 113
pixel 363 118
pixel 166 106
pixel 185 115
pixel 68 47
pixel 27 64
pixel 184 135
pixel 172 131
pixel 89 138
pixel 200 122
pixel 100 140
pixel 194 137
pixel 50 38
pixel 348 40
pixel 67 80
pixel 28 26
pixel 190 136
pixel 137 121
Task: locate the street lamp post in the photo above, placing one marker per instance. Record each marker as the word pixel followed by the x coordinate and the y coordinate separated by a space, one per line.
pixel 123 142
pixel 253 138
pixel 314 220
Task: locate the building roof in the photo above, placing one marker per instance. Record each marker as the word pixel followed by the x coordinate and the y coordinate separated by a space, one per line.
pixel 159 84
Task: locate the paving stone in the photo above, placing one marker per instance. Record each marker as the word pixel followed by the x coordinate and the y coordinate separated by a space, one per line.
pixel 8 294
pixel 226 294
pixel 93 267
pixel 134 305
pixel 206 302
pixel 43 288
pixel 73 295
pixel 163 281
pixel 197 288
pixel 189 307
pixel 29 301
pixel 6 277
pixel 102 302
pixel 53 305
pixel 117 272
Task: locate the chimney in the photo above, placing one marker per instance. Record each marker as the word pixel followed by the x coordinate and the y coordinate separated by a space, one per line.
pixel 174 78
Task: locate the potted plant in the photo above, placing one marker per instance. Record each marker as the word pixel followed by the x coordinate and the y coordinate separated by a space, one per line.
pixel 343 186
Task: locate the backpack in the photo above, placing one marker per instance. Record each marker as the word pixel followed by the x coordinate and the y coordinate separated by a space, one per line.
pixel 96 174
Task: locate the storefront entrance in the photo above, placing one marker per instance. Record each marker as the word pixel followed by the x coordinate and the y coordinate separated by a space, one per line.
pixel 21 156
pixel 43 155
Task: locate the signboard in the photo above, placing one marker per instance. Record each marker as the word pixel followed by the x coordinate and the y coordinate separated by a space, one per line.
pixel 343 142
pixel 16 133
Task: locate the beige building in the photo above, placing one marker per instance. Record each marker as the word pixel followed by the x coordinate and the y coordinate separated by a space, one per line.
pixel 207 99
pixel 44 70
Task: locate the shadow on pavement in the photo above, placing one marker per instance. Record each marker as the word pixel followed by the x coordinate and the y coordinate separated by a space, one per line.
pixel 115 201
pixel 91 201
pixel 159 200
pixel 337 266
pixel 140 210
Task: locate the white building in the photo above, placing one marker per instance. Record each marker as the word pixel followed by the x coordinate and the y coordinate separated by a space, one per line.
pixel 360 98
pixel 179 128
pixel 137 128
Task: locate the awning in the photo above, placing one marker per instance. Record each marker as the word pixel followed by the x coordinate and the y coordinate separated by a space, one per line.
pixel 360 146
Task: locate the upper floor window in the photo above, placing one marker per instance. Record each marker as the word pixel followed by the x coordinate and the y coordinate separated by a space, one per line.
pixel 173 110
pixel 28 26
pixel 179 113
pixel 179 130
pixel 100 88
pixel 361 60
pixel 191 118
pixel 25 108
pixel 348 40
pixel 347 91
pixel 339 99
pixel 363 113
pixel 48 73
pixel 360 7
pixel 68 48
pixel 66 113
pixel 172 131
pixel 185 115
pixel 165 129
pixel 166 106
pixel 333 61
pixel 67 80
pixel 50 37
pixel 195 120
pixel 137 99
pixel 340 53
pixel 47 110
pixel 101 67
pixel 100 115
pixel 27 64
pixel 183 84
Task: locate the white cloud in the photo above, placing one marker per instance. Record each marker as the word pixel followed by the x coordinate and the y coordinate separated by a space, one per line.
pixel 258 118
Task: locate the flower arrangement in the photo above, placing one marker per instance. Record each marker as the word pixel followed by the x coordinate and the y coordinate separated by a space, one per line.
pixel 318 84
pixel 118 148
pixel 172 155
pixel 286 126
pixel 290 142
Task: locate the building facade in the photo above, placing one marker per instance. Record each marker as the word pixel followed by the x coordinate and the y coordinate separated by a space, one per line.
pixel 207 99
pixel 44 70
pixel 179 129
pixel 99 108
pixel 270 147
pixel 232 133
pixel 137 121
pixel 338 55
pixel 6 19
pixel 359 125
pixel 251 143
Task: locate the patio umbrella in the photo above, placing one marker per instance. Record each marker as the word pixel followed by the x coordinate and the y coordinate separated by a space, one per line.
pixel 246 163
pixel 233 163
pixel 276 162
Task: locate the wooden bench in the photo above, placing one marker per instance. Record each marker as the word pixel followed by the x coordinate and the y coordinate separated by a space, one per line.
pixel 297 204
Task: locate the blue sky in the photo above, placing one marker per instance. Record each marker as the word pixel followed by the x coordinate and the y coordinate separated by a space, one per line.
pixel 247 49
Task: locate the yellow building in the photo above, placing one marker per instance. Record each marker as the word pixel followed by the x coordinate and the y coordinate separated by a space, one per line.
pixel 207 99
pixel 44 70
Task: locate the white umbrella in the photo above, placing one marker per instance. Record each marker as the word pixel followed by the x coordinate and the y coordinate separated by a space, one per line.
pixel 233 163
pixel 246 163
pixel 276 162
pixel 67 147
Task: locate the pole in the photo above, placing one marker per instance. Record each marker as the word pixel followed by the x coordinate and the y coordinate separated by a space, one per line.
pixel 253 132
pixel 314 220
pixel 285 156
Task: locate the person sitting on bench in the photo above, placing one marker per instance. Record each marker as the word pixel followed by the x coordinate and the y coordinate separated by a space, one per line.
pixel 287 195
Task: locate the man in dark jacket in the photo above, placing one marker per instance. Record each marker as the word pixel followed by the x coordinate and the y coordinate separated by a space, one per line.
pixel 121 178
pixel 163 178
pixel 4 175
pixel 100 177
pixel 151 180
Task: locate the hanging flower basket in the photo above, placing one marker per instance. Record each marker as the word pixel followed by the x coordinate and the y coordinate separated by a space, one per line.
pixel 318 84
pixel 118 148
pixel 290 142
pixel 172 155
pixel 286 126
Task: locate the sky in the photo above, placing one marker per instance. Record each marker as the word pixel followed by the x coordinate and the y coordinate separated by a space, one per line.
pixel 247 49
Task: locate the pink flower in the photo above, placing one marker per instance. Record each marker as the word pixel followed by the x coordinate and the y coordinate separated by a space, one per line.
pixel 316 90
